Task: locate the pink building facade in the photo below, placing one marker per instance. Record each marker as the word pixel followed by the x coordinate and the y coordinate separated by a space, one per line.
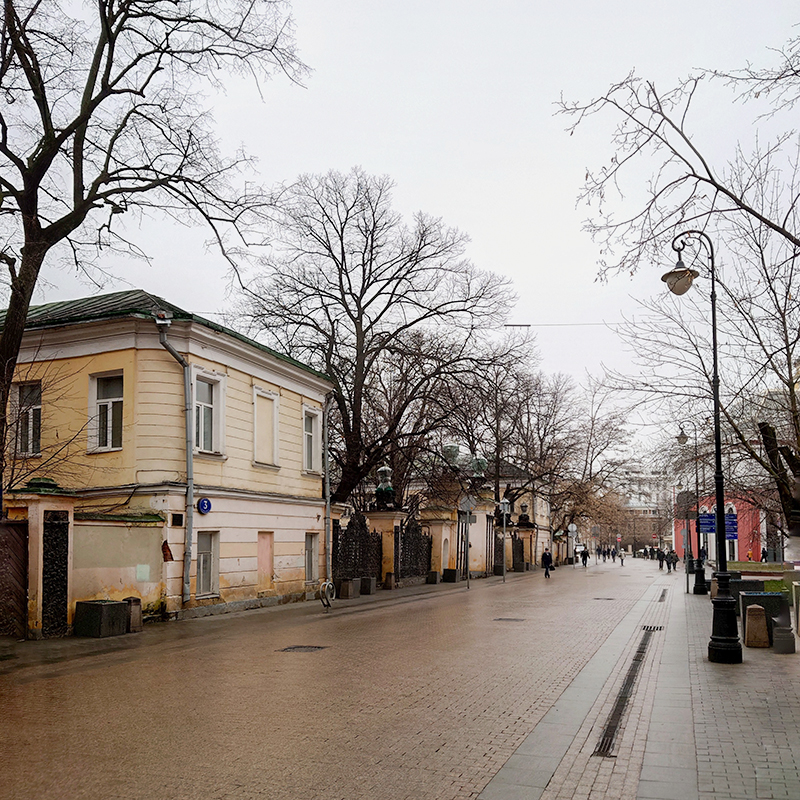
pixel 750 530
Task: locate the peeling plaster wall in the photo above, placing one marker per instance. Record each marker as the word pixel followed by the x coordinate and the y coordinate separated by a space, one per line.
pixel 113 561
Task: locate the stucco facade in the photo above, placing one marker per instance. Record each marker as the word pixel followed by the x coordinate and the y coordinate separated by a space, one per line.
pixel 110 426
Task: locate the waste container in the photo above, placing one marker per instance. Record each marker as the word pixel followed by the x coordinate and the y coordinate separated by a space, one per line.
pixel 135 624
pixel 100 618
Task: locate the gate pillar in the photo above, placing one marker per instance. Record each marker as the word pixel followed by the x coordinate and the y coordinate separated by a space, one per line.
pixel 49 512
pixel 387 523
pixel 442 529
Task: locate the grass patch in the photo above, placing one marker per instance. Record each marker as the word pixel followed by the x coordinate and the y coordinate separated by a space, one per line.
pixel 775 586
pixel 756 566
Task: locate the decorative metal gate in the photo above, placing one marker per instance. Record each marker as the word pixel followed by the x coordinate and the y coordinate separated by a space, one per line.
pixel 461 553
pixel 491 545
pixel 13 579
pixel 412 550
pixel 357 552
pixel 55 553
pixel 517 553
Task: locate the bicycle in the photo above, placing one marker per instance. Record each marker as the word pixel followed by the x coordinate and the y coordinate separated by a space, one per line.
pixel 327 594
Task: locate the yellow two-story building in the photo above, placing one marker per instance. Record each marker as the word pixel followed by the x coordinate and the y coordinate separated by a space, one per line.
pixel 188 459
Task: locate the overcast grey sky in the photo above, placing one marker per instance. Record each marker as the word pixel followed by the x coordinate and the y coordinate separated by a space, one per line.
pixel 454 99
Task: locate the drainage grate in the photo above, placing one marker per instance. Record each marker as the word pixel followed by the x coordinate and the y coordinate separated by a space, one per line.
pixel 509 619
pixel 602 598
pixel 652 628
pixel 606 743
pixel 301 648
pixel 663 596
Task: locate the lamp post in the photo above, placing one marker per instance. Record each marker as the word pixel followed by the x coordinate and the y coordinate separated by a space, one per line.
pixel 724 646
pixel 504 509
pixel 700 585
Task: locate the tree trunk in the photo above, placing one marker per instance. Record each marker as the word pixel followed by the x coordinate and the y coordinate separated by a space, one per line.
pixel 22 286
pixel 788 487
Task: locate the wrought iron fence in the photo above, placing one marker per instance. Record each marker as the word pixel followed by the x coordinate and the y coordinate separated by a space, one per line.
pixel 412 550
pixel 517 553
pixel 461 543
pixel 357 552
pixel 491 546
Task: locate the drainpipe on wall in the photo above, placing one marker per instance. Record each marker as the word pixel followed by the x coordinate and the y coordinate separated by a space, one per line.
pixel 163 321
pixel 327 486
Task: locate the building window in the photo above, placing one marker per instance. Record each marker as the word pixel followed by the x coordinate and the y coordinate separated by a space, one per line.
pixel 204 416
pixel 29 420
pixel 312 440
pixel 207 563
pixel 209 411
pixel 105 425
pixel 265 427
pixel 312 557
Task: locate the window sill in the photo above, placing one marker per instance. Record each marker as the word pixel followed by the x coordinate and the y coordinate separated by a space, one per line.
pixel 205 455
pixel 94 451
pixel 211 596
pixel 312 473
pixel 262 465
pixel 26 456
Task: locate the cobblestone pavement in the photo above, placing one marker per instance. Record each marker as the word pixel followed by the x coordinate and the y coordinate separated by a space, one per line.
pixel 501 691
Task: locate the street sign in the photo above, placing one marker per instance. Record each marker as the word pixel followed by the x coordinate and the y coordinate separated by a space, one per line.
pixel 619 538
pixel 708 525
pixel 655 536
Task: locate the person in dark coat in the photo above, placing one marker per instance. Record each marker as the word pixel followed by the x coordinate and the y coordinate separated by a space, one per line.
pixel 764 554
pixel 661 557
pixel 547 562
pixel 584 556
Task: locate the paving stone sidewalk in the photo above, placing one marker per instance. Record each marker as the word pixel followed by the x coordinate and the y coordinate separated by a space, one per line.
pixel 690 730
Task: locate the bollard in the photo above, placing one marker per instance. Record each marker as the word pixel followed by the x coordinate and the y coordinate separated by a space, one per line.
pixel 756 634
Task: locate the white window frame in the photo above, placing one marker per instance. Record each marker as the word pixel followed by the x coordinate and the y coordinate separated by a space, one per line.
pixel 275 397
pixel 200 558
pixel 93 427
pixel 315 414
pixel 311 557
pixel 18 411
pixel 219 382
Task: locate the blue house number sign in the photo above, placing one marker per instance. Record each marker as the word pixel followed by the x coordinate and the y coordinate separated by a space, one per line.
pixel 204 505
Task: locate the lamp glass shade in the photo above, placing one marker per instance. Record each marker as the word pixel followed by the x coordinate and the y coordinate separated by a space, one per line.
pixel 682 437
pixel 680 279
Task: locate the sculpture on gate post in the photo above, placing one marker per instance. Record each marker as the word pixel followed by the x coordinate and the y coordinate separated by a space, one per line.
pixel 524 521
pixel 384 493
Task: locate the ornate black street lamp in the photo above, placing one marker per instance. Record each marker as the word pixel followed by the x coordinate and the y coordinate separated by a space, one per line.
pixel 724 646
pixel 700 586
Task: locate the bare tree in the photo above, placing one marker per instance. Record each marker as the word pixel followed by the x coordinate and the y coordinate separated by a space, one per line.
pixel 387 310
pixel 103 114
pixel 748 203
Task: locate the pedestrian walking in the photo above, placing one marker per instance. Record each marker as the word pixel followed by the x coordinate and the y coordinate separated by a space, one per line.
pixel 614 554
pixel 605 553
pixel 622 558
pixel 764 554
pixel 703 554
pixel 661 558
pixel 652 553
pixel 584 556
pixel 547 562
pixel 672 561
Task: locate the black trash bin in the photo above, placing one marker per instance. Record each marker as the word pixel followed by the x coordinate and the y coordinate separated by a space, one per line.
pixel 100 618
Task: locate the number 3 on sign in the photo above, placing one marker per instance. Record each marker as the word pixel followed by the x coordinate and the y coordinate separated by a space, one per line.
pixel 204 505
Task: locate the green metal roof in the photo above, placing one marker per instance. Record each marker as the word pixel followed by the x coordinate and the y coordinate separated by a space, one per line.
pixel 132 303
